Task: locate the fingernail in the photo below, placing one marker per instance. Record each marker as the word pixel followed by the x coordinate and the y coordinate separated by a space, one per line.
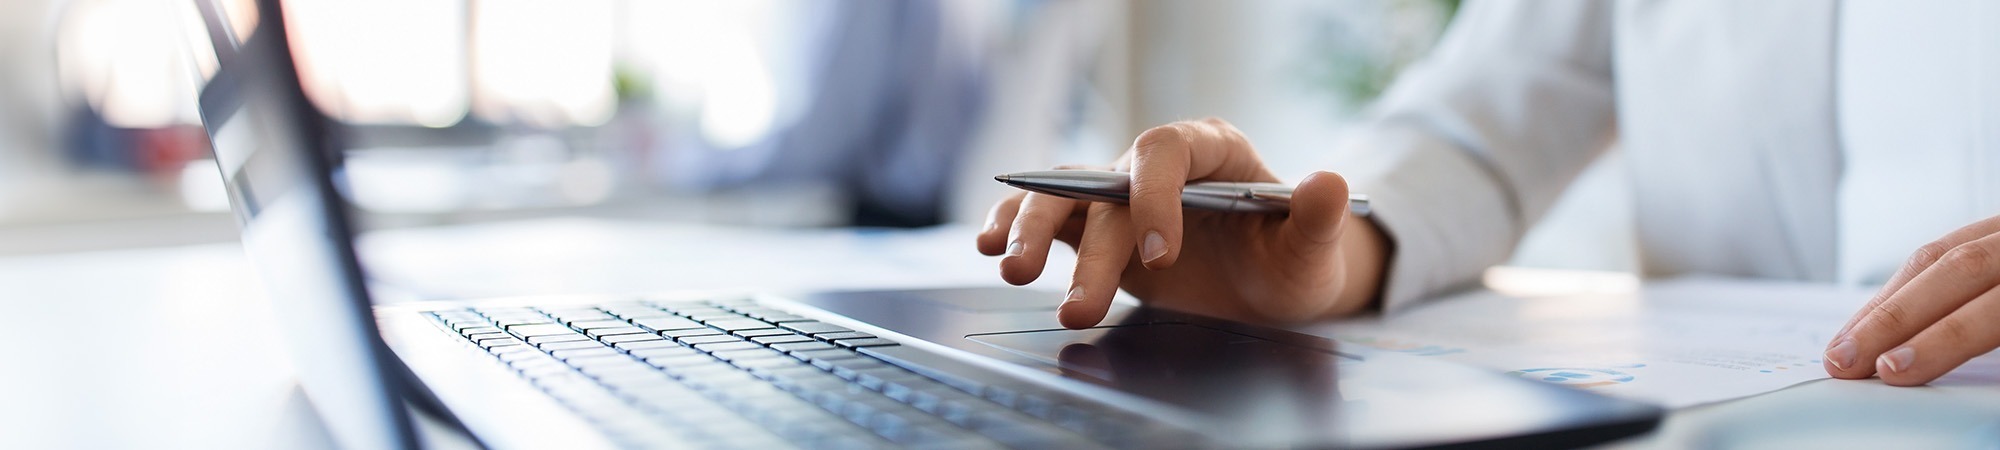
pixel 1155 246
pixel 1015 248
pixel 1841 355
pixel 1898 360
pixel 1075 295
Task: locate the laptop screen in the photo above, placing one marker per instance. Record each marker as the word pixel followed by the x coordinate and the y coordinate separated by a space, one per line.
pixel 276 154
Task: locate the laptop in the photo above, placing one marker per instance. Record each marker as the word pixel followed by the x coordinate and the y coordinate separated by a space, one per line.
pixel 952 368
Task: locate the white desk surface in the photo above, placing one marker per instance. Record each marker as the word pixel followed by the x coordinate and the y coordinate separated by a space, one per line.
pixel 174 348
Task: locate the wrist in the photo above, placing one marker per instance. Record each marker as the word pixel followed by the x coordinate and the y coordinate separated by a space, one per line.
pixel 1364 253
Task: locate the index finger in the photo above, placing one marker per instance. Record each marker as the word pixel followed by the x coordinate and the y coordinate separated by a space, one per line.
pixel 1163 159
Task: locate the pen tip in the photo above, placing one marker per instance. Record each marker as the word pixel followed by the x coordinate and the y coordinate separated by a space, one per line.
pixel 1001 178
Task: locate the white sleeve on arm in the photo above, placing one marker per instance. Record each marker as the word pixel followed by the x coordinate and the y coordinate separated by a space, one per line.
pixel 1476 142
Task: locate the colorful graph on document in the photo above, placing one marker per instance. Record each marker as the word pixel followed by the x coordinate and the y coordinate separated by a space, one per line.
pixel 1578 377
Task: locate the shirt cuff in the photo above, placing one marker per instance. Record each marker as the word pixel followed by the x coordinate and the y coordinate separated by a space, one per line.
pixel 1445 213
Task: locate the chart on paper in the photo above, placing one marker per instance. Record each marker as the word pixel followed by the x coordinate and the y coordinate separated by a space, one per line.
pixel 1675 343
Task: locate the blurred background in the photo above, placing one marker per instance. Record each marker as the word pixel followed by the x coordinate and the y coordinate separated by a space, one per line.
pixel 756 113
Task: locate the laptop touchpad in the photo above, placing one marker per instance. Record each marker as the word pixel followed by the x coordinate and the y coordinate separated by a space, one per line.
pixel 1247 381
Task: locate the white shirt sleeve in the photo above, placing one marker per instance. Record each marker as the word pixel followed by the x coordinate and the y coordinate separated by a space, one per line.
pixel 1473 144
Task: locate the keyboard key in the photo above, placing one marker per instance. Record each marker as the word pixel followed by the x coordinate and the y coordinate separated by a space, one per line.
pixel 455 314
pixel 814 327
pixel 666 323
pixel 484 336
pixel 877 379
pixel 593 317
pixel 512 356
pixel 569 345
pixel 699 310
pixel 761 332
pixel 627 381
pixel 681 361
pixel 543 339
pixel 765 363
pixel 623 338
pixel 710 376
pixel 802 346
pixel 541 329
pixel 594 324
pixel 708 339
pixel 705 317
pixel 829 355
pixel 750 353
pixel 780 339
pixel 600 333
pixel 641 345
pixel 842 335
pixel 567 355
pixel 511 322
pixel 664 352
pixel 635 311
pixel 615 367
pixel 847 368
pixel 473 326
pixel 737 324
pixel 490 344
pixel 783 318
pixel 677 334
pixel 727 346
pixel 863 343
pixel 755 311
pixel 560 311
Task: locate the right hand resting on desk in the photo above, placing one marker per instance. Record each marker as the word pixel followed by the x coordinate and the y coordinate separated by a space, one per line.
pixel 1314 263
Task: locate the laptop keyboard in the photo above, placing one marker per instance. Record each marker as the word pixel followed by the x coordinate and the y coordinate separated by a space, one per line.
pixel 737 374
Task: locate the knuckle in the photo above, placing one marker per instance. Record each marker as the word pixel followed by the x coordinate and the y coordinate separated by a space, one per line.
pixel 1927 255
pixel 1890 316
pixel 1968 258
pixel 1222 128
pixel 1159 138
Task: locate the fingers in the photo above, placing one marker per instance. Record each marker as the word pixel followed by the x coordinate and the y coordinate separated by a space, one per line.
pixel 1959 337
pixel 1922 259
pixel 992 239
pixel 1960 274
pixel 1035 226
pixel 1105 250
pixel 1162 160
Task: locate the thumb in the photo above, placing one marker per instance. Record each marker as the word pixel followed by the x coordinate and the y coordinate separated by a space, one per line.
pixel 1319 208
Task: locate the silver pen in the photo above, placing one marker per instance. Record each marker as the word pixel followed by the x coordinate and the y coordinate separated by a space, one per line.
pixel 1116 187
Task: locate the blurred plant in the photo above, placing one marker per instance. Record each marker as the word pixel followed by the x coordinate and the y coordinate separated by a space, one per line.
pixel 1358 48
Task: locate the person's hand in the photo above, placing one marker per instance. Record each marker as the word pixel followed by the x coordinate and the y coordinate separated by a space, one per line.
pixel 1313 263
pixel 1937 312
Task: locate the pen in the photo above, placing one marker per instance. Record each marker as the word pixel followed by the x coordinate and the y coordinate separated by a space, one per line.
pixel 1116 187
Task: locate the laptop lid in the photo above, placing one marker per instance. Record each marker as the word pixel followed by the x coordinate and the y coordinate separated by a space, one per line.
pixel 278 156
